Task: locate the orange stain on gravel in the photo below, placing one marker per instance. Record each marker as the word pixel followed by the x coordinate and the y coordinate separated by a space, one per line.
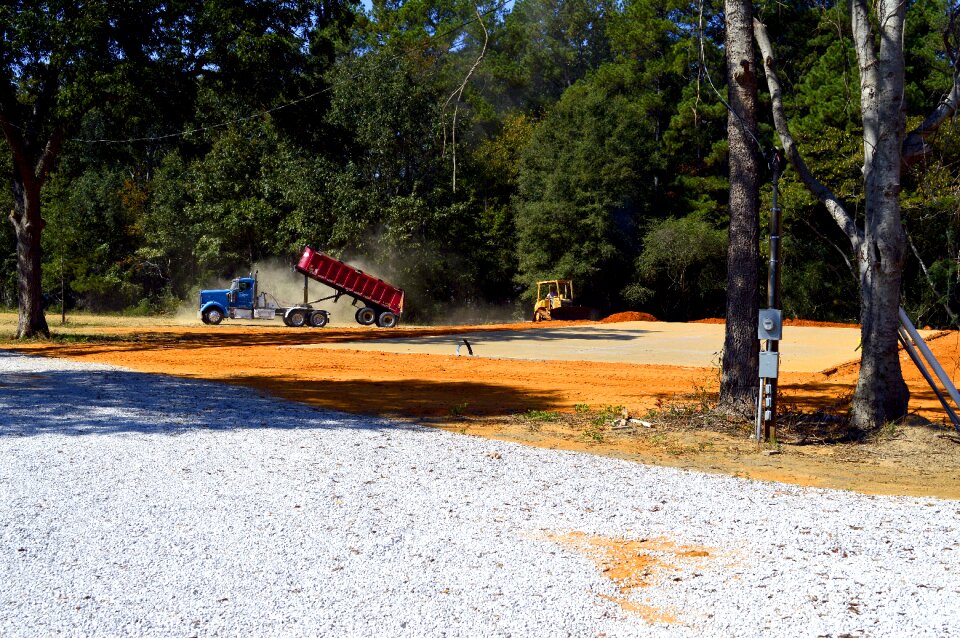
pixel 636 564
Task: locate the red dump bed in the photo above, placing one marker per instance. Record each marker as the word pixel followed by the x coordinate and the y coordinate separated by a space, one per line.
pixel 347 279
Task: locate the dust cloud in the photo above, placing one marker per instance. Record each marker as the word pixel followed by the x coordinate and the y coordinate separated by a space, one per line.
pixel 476 313
pixel 284 286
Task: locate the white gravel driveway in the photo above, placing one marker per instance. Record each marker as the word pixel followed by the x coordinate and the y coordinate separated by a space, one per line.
pixel 133 504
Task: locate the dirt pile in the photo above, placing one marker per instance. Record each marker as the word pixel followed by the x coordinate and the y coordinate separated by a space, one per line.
pixel 621 317
pixel 802 323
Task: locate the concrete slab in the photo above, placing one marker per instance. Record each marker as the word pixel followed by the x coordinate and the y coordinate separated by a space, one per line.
pixel 804 349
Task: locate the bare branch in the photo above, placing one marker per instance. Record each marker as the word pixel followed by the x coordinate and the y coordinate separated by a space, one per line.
pixel 869 76
pixel 926 273
pixel 947 43
pixel 821 192
pixel 50 153
pixel 458 93
pixel 17 146
pixel 915 145
pixel 832 244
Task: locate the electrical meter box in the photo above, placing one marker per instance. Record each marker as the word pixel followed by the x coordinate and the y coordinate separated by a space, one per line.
pixel 769 365
pixel 770 325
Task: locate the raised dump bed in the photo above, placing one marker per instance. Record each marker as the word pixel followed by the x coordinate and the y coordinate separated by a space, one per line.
pixel 382 302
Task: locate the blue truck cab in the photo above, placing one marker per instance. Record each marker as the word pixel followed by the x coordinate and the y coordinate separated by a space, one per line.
pixel 244 300
pixel 237 302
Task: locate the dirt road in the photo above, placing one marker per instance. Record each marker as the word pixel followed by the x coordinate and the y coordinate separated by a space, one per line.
pixel 416 373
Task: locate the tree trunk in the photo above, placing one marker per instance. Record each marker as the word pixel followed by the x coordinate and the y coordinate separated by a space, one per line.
pixel 881 394
pixel 28 225
pixel 739 380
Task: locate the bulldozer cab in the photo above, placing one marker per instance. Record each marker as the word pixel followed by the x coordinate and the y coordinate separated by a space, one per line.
pixel 556 293
pixel 555 301
pixel 552 295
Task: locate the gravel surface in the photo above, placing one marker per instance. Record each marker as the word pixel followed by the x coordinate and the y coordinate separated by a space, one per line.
pixel 133 504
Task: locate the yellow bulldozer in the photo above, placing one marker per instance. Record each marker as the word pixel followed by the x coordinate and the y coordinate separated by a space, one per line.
pixel 555 301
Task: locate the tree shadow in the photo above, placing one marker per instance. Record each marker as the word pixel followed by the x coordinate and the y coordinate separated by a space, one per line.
pixel 109 401
pixel 78 344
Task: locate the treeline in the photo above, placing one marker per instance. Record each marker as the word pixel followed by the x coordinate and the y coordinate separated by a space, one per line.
pixel 466 151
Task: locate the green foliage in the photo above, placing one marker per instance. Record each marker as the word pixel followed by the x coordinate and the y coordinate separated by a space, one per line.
pixel 459 409
pixel 684 258
pixel 580 192
pixel 589 144
pixel 540 415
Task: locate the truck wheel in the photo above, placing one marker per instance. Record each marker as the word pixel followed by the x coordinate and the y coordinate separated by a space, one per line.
pixel 296 318
pixel 387 320
pixel 212 316
pixel 318 319
pixel 366 316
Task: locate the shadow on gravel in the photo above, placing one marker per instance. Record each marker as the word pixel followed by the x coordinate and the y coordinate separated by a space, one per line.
pixel 407 397
pixel 111 402
pixel 36 401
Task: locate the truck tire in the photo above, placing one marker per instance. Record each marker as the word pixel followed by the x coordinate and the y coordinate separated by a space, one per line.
pixel 212 316
pixel 387 320
pixel 296 318
pixel 366 316
pixel 318 319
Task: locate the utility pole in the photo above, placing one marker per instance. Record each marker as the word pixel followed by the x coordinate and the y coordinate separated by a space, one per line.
pixel 63 293
pixel 770 324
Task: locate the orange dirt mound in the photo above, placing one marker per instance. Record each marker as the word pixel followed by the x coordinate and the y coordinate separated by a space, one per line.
pixel 629 316
pixel 791 322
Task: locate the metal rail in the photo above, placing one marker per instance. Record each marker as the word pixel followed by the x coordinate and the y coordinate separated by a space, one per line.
pixel 908 329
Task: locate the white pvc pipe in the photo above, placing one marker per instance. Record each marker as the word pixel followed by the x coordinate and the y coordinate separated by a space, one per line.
pixel 928 355
pixel 917 361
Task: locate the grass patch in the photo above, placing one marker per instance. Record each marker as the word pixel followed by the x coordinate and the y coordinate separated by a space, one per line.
pixel 459 409
pixel 70 338
pixel 541 416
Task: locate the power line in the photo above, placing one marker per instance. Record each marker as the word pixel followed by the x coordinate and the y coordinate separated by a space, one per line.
pixel 200 129
pixel 706 73
pixel 155 138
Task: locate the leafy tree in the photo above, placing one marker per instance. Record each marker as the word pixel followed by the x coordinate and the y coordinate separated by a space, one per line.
pixel 740 346
pixel 880 245
pixel 581 191
pixel 56 60
pixel 683 259
pixel 544 47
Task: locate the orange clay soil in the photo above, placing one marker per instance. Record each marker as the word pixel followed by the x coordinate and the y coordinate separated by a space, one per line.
pixel 789 321
pixel 628 316
pixel 483 396
pixel 633 565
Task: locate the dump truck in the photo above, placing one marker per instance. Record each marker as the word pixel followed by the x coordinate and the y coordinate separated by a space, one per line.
pixel 379 302
pixel 555 301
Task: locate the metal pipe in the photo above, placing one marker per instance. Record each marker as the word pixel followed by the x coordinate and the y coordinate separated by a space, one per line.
pixel 773 295
pixel 908 347
pixel 758 428
pixel 928 355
